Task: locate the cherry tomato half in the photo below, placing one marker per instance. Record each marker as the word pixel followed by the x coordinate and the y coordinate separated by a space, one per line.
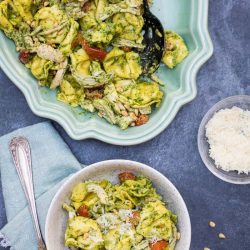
pixel 158 245
pixel 94 53
pixel 83 211
pixel 126 176
pixel 24 56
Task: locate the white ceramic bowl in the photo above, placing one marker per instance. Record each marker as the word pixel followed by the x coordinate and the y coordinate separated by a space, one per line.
pixel 240 101
pixel 57 218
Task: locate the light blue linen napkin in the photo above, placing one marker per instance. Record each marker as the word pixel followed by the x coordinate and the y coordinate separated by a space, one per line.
pixel 52 162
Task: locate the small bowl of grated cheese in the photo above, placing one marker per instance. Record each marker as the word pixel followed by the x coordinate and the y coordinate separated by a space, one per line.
pixel 224 139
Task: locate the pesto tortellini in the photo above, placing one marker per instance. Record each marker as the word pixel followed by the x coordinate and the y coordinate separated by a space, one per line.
pixel 88 21
pixel 23 7
pixel 155 221
pixel 83 233
pixel 5 22
pixel 40 69
pixel 140 94
pixel 51 25
pixel 88 51
pixel 65 45
pixel 101 35
pixel 122 237
pixel 123 64
pixel 13 13
pixel 126 216
pixel 87 73
pixel 176 49
pixel 70 94
pixel 128 28
pixel 106 10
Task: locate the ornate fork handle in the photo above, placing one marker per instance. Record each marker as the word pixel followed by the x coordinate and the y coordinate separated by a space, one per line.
pixel 21 154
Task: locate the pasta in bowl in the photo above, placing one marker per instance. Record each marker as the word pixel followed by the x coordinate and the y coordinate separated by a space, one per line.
pixel 120 217
pixel 139 211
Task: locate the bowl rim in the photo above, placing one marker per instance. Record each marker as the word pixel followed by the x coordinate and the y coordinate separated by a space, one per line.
pixel 123 162
pixel 219 174
pixel 90 131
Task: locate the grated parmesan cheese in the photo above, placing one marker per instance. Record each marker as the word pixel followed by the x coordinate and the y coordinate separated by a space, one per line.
pixel 125 213
pixel 228 134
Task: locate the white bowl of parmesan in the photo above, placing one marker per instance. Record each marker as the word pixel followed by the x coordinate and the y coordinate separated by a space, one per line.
pixel 224 139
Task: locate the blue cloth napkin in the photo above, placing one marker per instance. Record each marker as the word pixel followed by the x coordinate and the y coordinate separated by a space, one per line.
pixel 52 162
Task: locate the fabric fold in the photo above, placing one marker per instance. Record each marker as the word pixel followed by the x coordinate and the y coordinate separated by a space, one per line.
pixel 52 163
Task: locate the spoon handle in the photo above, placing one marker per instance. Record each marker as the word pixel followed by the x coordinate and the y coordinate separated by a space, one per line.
pixel 20 151
pixel 146 5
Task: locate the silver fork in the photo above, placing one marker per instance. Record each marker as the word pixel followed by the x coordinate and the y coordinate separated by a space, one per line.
pixel 21 154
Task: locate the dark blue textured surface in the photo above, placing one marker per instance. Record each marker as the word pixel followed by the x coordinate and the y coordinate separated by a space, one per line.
pixel 174 152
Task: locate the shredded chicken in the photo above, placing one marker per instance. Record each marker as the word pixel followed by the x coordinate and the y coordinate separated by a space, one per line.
pixel 59 75
pixel 47 52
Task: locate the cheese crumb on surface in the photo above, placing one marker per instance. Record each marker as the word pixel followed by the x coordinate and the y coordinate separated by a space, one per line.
pixel 228 134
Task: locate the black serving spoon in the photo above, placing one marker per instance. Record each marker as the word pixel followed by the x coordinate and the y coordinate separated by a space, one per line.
pixel 154 41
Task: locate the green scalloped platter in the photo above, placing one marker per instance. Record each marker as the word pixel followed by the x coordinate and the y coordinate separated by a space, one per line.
pixel 186 17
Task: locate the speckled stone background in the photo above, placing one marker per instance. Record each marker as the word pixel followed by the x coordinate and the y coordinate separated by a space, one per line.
pixel 174 152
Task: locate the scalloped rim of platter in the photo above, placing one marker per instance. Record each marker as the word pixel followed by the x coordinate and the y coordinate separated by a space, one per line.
pixel 79 130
